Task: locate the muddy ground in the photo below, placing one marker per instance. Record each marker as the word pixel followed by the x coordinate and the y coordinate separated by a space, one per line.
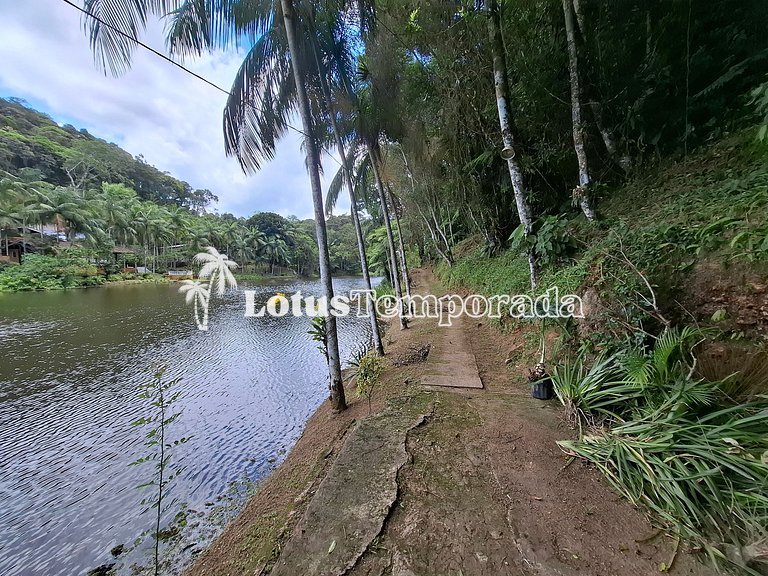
pixel 483 488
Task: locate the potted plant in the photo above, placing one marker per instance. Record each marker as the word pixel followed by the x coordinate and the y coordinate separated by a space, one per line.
pixel 541 384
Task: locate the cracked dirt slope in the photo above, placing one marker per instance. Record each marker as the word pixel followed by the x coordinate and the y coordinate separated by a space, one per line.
pixel 476 487
pixel 352 503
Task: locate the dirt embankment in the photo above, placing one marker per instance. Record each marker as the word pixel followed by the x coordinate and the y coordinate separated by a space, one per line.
pixel 475 483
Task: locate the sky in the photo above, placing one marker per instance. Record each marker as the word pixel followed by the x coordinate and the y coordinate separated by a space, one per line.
pixel 155 109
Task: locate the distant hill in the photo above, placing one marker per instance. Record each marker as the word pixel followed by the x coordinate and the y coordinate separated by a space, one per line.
pixel 34 147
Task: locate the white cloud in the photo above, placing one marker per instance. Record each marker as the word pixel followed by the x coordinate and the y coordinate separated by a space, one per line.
pixel 155 109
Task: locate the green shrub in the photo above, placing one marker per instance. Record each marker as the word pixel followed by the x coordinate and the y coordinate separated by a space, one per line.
pixel 367 371
pixel 40 272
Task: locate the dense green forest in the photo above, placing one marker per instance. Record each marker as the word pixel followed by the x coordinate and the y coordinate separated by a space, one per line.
pixel 35 148
pixel 94 196
pixel 614 149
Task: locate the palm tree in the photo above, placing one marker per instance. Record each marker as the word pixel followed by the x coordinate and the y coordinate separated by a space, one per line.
pixel 11 196
pixel 199 294
pixel 217 268
pixel 65 209
pixel 275 249
pixel 197 238
pixel 368 168
pixel 339 58
pixel 115 210
pixel 262 98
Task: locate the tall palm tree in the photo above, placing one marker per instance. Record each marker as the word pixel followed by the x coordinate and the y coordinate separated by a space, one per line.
pixel 115 211
pixel 367 169
pixel 262 98
pixel 338 60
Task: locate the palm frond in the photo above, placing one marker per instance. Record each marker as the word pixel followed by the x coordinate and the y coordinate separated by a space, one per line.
pixel 260 102
pixel 112 50
pixel 334 189
pixel 199 25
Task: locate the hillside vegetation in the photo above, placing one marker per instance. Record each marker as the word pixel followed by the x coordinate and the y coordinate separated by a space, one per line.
pixel 94 196
pixel 35 148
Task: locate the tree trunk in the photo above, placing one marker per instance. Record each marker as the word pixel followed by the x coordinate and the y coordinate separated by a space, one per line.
pixel 403 263
pixel 594 104
pixel 375 334
pixel 390 236
pixel 581 193
pixel 338 401
pixel 501 84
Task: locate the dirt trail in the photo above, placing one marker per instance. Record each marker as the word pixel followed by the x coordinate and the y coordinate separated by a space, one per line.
pixel 479 487
pixel 353 501
pixel 451 362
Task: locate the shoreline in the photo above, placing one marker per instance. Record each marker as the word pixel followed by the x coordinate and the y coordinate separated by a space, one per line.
pixel 161 279
pixel 497 442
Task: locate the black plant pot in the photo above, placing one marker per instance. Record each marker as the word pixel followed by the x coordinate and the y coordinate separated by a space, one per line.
pixel 543 389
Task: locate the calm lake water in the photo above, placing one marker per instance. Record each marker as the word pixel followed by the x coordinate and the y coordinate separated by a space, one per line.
pixel 71 367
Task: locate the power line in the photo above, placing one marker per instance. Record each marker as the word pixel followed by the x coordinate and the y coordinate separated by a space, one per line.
pixel 146 47
pixel 182 67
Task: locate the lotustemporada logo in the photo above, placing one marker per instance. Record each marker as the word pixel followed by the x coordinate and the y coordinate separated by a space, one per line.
pixel 216 276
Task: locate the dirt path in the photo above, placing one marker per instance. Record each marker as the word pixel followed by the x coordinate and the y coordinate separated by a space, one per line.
pixel 353 501
pixel 478 488
pixel 451 362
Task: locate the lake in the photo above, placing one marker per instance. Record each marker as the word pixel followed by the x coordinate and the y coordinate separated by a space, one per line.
pixel 72 366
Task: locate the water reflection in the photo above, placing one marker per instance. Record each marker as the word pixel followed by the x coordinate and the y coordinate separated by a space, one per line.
pixel 71 366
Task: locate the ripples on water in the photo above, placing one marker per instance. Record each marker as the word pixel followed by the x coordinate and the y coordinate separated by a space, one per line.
pixel 71 367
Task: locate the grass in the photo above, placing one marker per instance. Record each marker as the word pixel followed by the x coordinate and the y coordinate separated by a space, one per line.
pixel 693 452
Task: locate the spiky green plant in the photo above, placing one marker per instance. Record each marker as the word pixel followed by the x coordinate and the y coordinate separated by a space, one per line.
pixel 595 393
pixel 619 386
pixel 703 478
pixel 680 447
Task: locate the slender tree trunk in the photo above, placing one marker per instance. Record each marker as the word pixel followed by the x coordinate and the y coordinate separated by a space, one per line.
pixel 403 263
pixel 390 236
pixel 375 334
pixel 501 84
pixel 338 401
pixel 582 190
pixel 390 268
pixel 594 104
pixel 444 255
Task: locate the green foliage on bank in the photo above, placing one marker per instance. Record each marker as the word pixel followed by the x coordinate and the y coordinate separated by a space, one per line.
pixel 67 269
pixel 673 430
